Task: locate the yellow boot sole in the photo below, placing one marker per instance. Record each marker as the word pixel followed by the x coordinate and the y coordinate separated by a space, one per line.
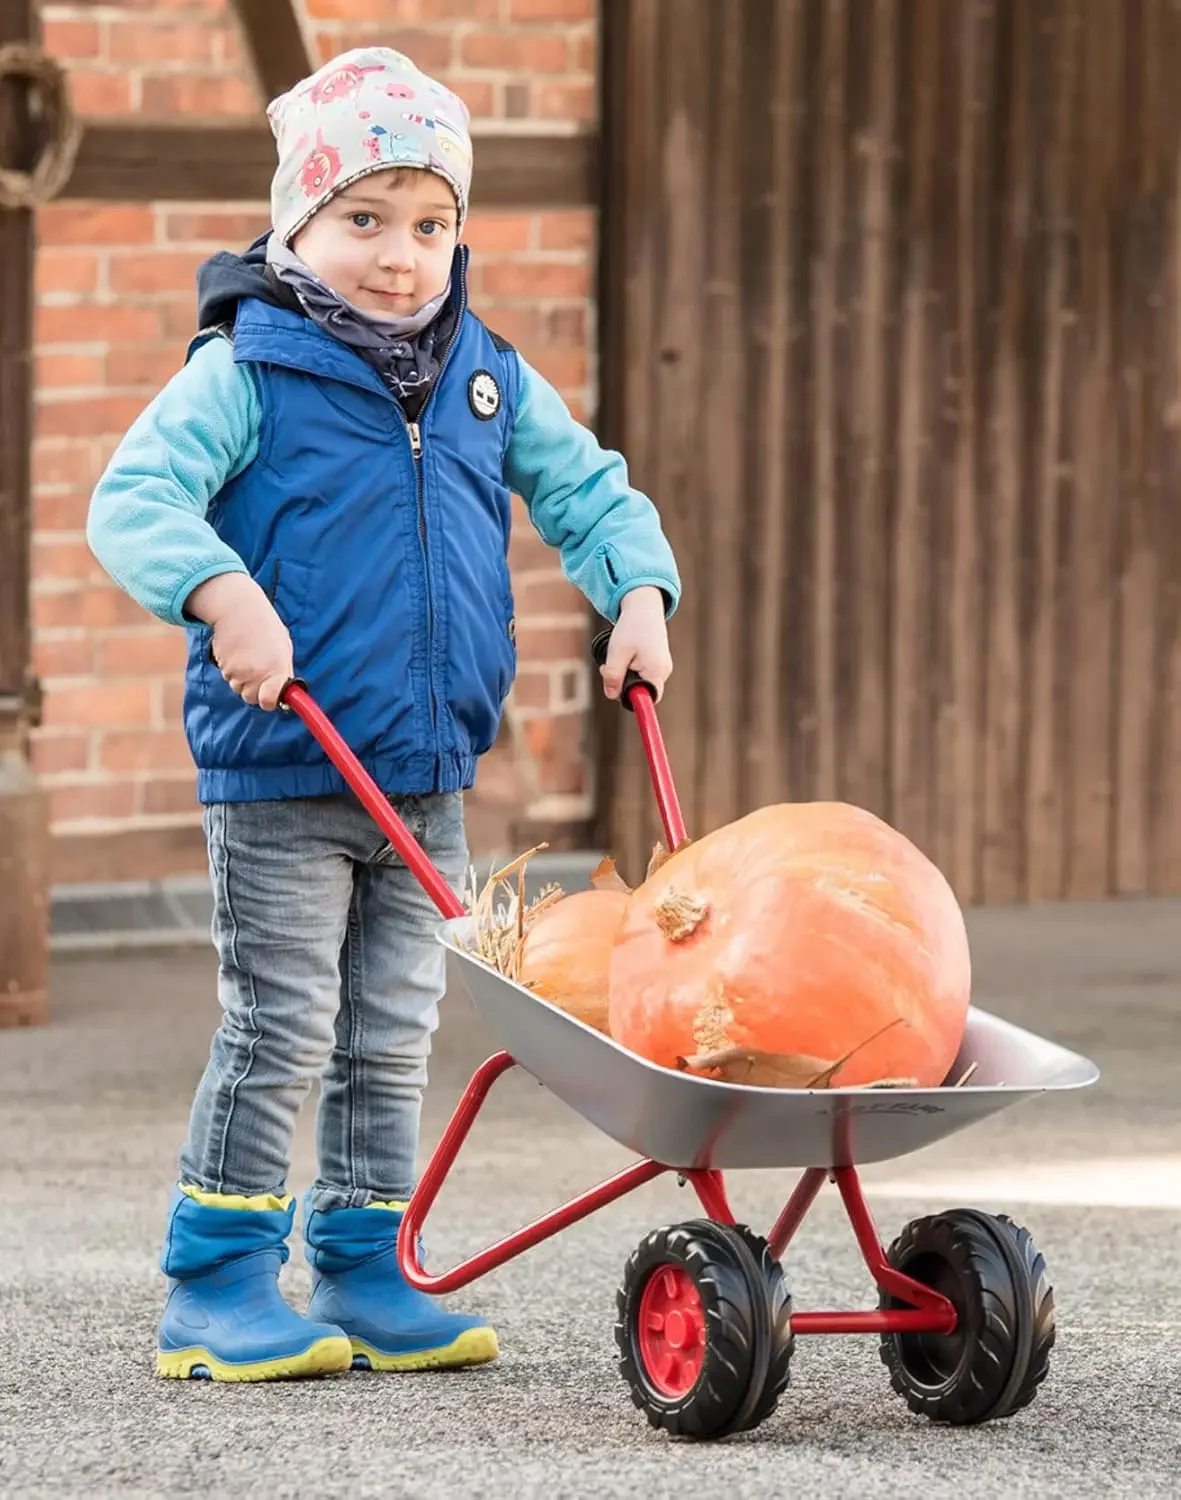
pixel 327 1356
pixel 475 1346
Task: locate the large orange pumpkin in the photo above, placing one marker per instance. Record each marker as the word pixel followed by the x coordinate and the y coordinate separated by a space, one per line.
pixel 566 954
pixel 802 932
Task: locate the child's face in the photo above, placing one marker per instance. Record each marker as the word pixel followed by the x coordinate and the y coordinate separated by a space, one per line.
pixel 385 243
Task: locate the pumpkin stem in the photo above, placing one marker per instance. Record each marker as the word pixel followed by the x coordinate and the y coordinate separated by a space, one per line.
pixel 679 917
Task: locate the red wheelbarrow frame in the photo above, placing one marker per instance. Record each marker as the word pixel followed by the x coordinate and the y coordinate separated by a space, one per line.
pixel 927 1311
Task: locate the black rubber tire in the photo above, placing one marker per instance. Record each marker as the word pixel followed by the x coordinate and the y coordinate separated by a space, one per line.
pixel 993 1362
pixel 1032 1267
pixel 782 1338
pixel 736 1360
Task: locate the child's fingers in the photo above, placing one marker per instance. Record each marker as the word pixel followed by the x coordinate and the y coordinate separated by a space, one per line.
pixel 270 690
pixel 614 669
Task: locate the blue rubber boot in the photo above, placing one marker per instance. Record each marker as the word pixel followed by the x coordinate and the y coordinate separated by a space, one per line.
pixel 356 1284
pixel 225 1318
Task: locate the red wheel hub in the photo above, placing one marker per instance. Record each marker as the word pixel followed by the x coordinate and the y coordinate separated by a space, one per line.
pixel 671 1330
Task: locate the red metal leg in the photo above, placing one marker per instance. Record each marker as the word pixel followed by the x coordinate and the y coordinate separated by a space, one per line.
pixel 710 1187
pixel 523 1239
pixel 929 1311
pixel 795 1211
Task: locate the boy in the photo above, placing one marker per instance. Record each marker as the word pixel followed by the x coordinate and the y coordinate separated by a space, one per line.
pixel 324 488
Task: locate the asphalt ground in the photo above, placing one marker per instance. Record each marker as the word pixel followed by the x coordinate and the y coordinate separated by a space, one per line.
pixel 92 1111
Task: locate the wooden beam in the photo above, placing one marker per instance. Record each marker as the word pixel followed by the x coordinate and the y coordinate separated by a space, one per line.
pixel 133 161
pixel 17 248
pixel 274 42
pixel 24 812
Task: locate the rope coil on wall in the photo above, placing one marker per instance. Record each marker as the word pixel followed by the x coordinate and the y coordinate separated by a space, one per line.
pixel 51 109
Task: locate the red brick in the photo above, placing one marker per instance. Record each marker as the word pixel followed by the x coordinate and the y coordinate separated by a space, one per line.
pixel 180 321
pixel 88 417
pixel 492 233
pixel 162 271
pixel 480 98
pixel 390 10
pixel 63 463
pixel 567 325
pixel 520 324
pixel 567 369
pixel 74 271
pixel 163 797
pixel 565 101
pixel 147 366
pixel 98 324
pixel 91 800
pixel 198 94
pixel 98 91
pixel 562 768
pixel 171 700
pixel 535 279
pixel 585 54
pixel 218 227
pixel 431 50
pixel 55 753
pixel 69 39
pixel 547 643
pixel 94 608
pixel 532 688
pixel 65 560
pixel 147 42
pixel 147 653
pixel 68 656
pixel 548 594
pixel 114 703
pixel 569 11
pixel 572 229
pixel 64 511
pixel 514 51
pixel 95 224
pixel 150 750
pixel 69 371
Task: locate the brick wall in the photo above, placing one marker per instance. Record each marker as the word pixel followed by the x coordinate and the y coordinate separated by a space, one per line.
pixel 114 309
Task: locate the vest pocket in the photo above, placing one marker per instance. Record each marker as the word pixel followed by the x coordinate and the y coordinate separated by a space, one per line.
pixel 287 586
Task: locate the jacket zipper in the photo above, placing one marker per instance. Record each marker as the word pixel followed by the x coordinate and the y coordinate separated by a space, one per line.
pixel 414 433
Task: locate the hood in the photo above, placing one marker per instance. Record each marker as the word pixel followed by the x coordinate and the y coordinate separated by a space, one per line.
pixel 225 278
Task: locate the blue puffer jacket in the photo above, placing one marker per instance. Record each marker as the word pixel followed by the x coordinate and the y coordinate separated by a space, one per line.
pixel 382 543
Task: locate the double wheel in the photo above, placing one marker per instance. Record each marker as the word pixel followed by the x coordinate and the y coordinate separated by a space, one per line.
pixel 705 1339
pixel 704 1329
pixel 992 1363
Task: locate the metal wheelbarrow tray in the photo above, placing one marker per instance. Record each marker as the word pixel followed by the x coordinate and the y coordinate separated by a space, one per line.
pixel 705 1327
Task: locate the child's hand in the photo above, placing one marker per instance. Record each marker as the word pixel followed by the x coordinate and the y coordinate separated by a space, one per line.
pixel 639 643
pixel 251 644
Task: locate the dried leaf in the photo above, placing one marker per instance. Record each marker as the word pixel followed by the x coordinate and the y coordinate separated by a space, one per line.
pixel 605 877
pixel 661 856
pixel 781 1070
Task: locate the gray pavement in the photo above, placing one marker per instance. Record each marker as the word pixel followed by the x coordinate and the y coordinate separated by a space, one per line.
pixel 92 1110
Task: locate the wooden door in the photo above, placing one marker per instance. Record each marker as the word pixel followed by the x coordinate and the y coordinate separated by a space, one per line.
pixel 891 301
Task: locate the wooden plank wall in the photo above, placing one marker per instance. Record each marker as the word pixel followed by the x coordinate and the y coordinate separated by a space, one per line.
pixel 892 331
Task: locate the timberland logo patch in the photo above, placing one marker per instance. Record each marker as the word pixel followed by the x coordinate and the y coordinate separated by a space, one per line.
pixel 483 395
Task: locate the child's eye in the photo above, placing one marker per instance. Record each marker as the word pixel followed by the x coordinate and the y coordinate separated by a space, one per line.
pixel 363 220
pixel 430 227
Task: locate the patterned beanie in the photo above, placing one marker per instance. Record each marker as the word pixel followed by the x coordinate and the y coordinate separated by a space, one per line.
pixel 365 111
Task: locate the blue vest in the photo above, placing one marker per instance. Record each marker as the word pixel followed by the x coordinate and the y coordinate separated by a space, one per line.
pixel 383 546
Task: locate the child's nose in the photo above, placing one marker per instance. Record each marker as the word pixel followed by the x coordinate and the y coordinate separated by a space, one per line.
pixel 396 252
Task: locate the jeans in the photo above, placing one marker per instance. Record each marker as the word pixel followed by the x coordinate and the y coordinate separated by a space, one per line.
pixel 329 971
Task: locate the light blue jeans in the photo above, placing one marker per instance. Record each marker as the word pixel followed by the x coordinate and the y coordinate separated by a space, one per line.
pixel 329 971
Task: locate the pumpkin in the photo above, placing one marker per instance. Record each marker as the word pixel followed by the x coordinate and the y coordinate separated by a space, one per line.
pixel 804 945
pixel 566 952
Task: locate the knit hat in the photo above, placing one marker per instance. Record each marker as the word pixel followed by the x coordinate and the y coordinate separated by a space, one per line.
pixel 365 111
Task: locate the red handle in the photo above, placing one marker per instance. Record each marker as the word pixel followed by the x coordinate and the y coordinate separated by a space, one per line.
pixel 296 697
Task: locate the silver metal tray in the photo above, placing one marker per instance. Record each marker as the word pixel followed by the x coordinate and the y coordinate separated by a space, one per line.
pixel 683 1121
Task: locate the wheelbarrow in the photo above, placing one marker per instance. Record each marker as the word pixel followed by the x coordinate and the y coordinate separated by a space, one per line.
pixel 705 1324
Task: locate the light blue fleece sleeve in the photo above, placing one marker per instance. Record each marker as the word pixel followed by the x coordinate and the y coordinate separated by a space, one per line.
pixel 578 496
pixel 147 523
